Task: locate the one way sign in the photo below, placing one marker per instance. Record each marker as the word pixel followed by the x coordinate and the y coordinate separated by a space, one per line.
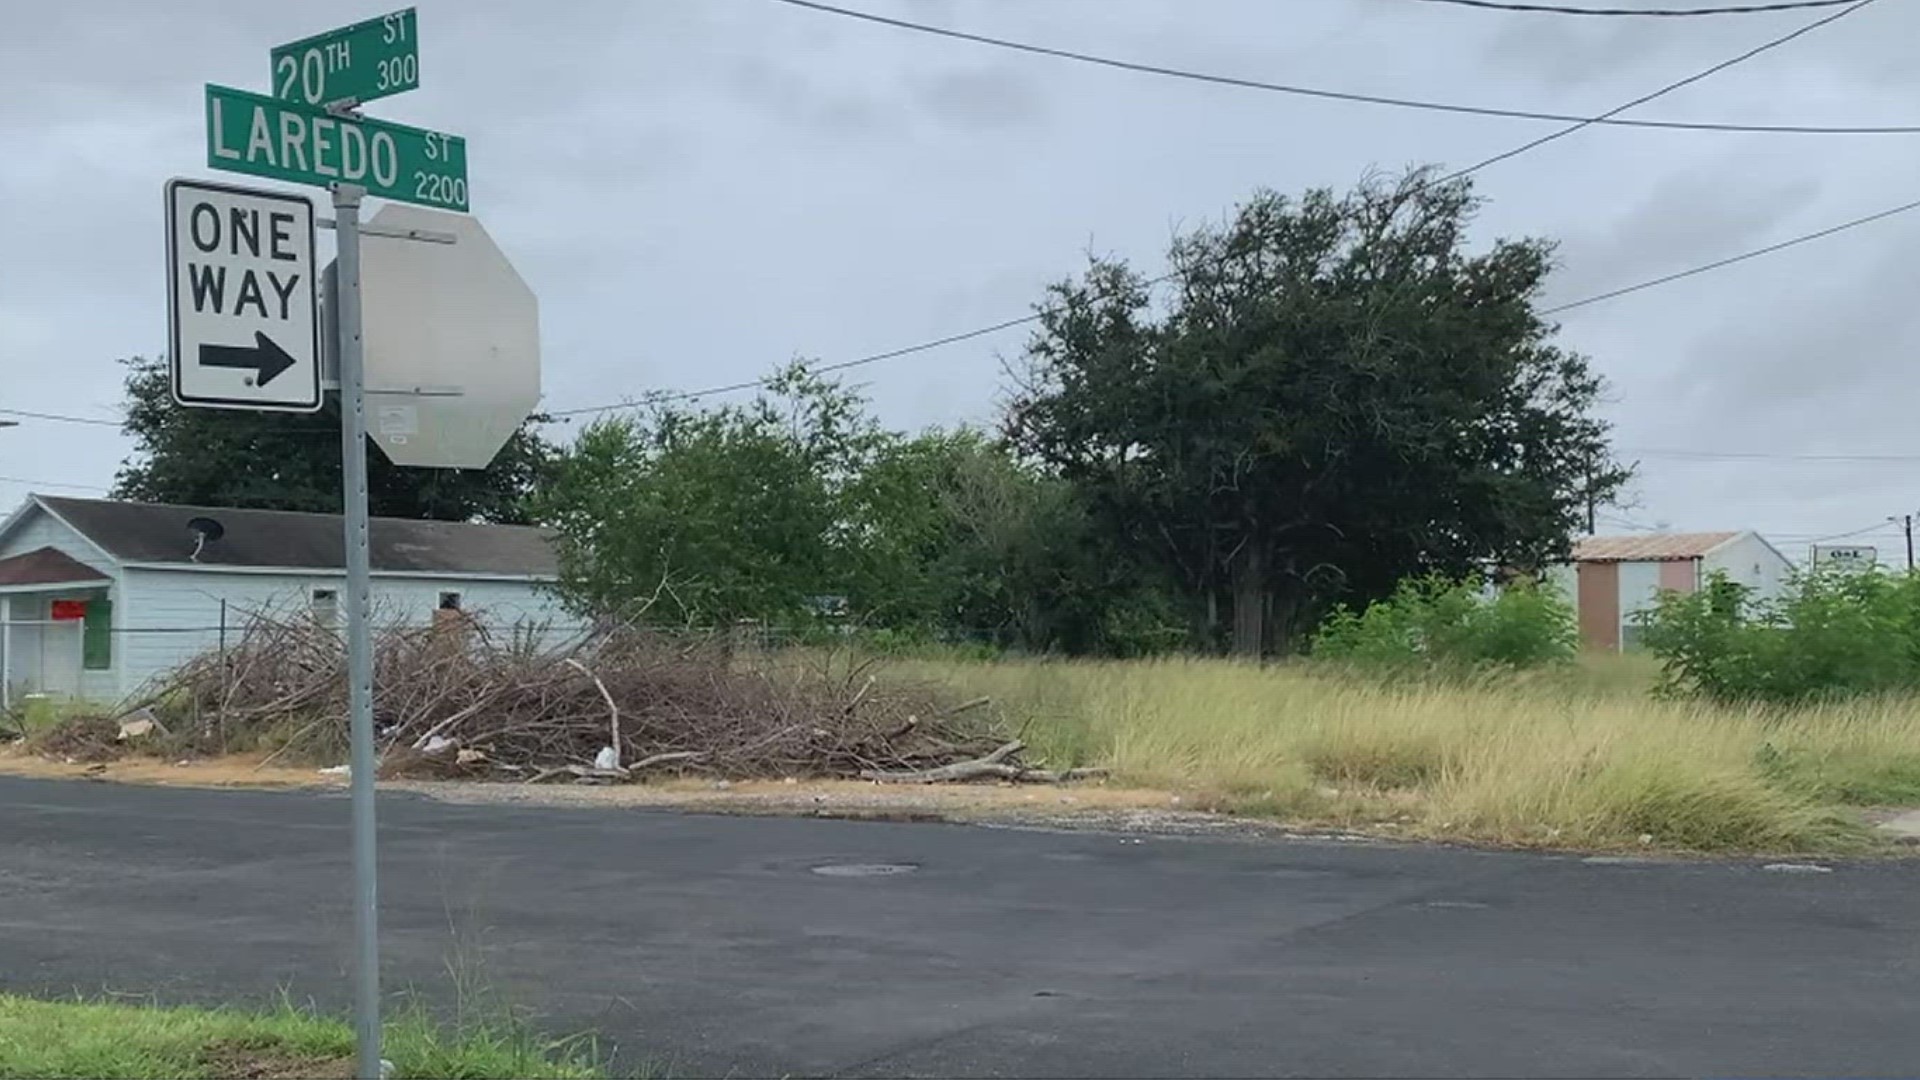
pixel 241 298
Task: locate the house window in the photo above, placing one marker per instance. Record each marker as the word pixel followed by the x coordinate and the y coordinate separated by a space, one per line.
pixel 325 606
pixel 449 601
pixel 96 636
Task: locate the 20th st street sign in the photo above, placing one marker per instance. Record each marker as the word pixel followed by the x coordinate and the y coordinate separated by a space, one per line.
pixel 241 298
pixel 287 140
pixel 357 63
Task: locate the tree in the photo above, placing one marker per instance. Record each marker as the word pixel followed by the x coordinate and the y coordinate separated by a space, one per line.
pixel 1335 396
pixel 971 543
pixel 763 510
pixel 727 513
pixel 282 461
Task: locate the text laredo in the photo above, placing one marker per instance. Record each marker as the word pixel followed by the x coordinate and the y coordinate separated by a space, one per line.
pixel 342 150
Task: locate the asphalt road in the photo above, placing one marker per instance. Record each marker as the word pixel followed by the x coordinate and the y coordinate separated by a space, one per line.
pixel 711 943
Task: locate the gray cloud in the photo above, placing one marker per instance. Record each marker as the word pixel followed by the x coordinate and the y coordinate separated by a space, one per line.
pixel 792 97
pixel 1688 218
pixel 699 191
pixel 1002 95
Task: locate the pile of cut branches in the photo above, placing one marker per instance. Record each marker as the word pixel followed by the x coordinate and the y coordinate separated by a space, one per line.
pixel 613 705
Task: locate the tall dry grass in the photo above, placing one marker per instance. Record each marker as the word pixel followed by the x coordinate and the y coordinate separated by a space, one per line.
pixel 1582 757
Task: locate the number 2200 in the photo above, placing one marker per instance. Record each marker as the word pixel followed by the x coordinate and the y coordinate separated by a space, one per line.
pixel 434 188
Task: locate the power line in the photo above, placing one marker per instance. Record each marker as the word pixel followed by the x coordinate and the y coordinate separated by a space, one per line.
pixel 1007 324
pixel 842 365
pixel 1803 538
pixel 50 483
pixel 1668 13
pixel 60 417
pixel 1738 455
pixel 1853 6
pixel 1729 261
pixel 908 350
pixel 1340 95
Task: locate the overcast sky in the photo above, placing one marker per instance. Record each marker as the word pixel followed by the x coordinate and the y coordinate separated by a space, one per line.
pixel 701 190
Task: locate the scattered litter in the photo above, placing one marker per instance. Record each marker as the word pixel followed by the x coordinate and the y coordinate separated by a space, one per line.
pixel 337 770
pixel 1797 868
pixel 469 756
pixel 436 744
pixel 139 724
pixel 607 758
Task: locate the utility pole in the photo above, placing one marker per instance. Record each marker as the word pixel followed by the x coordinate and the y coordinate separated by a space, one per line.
pixel 1591 530
pixel 1905 521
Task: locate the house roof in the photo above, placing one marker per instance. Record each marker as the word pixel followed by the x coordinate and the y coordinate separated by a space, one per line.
pixel 47 566
pixel 158 533
pixel 1649 547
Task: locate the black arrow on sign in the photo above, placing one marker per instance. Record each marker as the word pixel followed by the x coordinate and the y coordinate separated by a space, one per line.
pixel 264 356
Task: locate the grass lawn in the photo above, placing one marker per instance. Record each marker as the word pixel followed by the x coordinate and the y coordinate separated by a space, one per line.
pixel 1583 756
pixel 76 1039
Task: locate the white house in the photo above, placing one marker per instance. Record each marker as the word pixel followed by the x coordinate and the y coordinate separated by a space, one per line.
pixel 97 596
pixel 1613 578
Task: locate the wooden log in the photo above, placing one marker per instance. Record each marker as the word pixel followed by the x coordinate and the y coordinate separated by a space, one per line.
pixel 990 765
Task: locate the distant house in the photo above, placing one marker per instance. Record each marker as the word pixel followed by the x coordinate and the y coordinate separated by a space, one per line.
pixel 97 597
pixel 1612 578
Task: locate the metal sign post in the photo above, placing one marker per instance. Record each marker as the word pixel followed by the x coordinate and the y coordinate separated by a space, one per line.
pixel 242 295
pixel 353 460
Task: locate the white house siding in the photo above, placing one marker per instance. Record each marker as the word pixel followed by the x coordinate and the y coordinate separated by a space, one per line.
pixel 1639 590
pixel 1751 561
pixel 176 612
pixel 47 657
pixel 42 530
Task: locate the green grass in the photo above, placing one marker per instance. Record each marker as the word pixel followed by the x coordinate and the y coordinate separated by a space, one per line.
pixel 35 714
pixel 1579 756
pixel 82 1039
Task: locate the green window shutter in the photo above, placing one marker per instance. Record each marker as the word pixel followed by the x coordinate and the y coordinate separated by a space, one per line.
pixel 96 643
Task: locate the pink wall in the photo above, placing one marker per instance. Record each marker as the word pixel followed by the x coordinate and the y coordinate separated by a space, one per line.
pixel 1681 576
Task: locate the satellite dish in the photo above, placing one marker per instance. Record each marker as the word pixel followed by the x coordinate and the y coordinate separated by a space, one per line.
pixel 205 530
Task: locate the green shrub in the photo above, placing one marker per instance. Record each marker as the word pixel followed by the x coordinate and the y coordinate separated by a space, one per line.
pixel 1436 622
pixel 1829 634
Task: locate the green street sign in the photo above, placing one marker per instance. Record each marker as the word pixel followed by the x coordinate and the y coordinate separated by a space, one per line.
pixel 285 140
pixel 357 63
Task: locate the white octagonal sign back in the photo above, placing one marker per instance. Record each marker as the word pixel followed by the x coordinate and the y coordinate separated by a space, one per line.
pixel 452 341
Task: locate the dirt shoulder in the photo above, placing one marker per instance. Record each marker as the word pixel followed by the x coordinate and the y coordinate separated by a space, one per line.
pixel 235 771
pixel 1080 806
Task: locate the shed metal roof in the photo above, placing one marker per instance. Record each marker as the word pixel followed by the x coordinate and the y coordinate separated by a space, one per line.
pixel 1649 547
pixel 157 533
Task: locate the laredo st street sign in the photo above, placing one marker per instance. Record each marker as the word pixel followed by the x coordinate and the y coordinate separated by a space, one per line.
pixel 284 140
pixel 241 298
pixel 357 63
